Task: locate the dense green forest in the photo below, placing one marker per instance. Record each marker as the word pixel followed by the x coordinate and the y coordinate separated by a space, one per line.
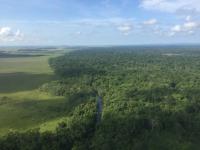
pixel 151 101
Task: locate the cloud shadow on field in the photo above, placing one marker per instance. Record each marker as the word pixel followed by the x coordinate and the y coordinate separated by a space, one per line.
pixel 19 81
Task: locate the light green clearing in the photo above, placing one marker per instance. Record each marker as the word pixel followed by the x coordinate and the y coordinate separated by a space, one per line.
pixel 22 105
pixel 36 65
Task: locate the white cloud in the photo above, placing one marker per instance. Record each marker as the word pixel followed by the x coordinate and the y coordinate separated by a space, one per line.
pixel 150 22
pixel 188 18
pixel 188 27
pixel 125 28
pixel 8 35
pixel 171 5
pixel 176 28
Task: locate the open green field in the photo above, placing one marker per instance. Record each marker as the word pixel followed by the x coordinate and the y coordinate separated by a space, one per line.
pixel 24 73
pixel 36 65
pixel 22 105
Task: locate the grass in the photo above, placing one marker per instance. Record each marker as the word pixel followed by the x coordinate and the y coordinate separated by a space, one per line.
pixel 25 73
pixel 25 110
pixel 36 65
pixel 22 105
pixel 15 82
pixel 52 124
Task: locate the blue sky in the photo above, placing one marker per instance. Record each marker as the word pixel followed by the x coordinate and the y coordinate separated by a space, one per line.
pixel 99 22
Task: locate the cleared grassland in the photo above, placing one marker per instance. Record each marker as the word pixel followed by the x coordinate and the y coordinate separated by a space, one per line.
pixel 36 65
pixel 22 105
pixel 25 110
pixel 16 82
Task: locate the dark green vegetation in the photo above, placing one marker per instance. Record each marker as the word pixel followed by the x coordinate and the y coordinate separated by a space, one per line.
pixel 22 81
pixel 151 100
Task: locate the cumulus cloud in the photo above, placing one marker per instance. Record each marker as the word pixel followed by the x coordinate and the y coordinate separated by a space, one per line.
pixel 190 25
pixel 8 35
pixel 187 27
pixel 176 28
pixel 150 22
pixel 125 28
pixel 171 5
